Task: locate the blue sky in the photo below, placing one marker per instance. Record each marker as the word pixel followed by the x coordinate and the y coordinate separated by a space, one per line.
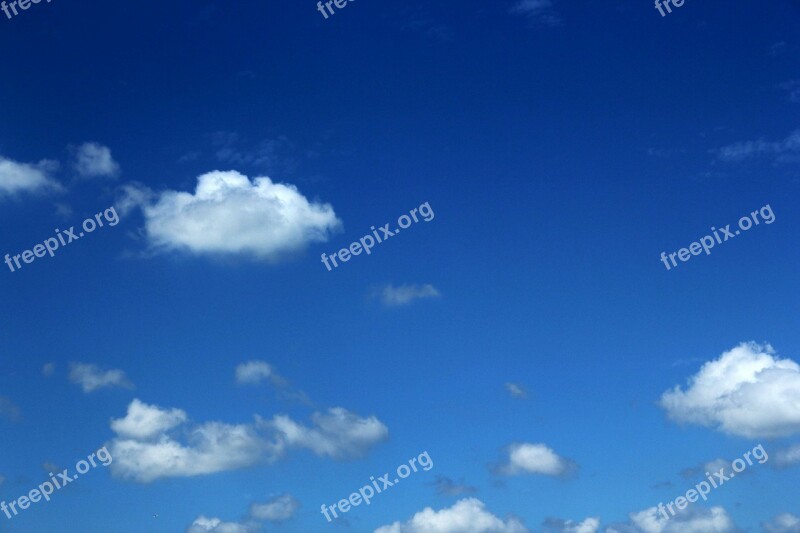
pixel 528 336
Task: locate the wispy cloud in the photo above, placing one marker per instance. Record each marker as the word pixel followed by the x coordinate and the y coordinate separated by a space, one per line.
pixel 538 11
pixel 449 487
pixel 35 178
pixel 786 150
pixel 93 160
pixel 517 391
pixel 278 509
pixel 393 296
pixel 8 410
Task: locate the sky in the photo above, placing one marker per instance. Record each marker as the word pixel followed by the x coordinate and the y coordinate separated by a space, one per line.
pixel 205 294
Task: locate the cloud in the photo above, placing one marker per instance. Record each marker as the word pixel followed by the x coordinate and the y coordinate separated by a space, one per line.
pixel 466 516
pixel 278 509
pixel 2 479
pixel 781 151
pixel 527 458
pixel 557 525
pixel 91 378
pixel 16 178
pixel 48 369
pixel 711 466
pixel 338 434
pixel 230 215
pixel 153 442
pixel 792 89
pixel 215 525
pixel 691 520
pixel 272 155
pixel 254 372
pixel 788 457
pixel 747 392
pixel 144 449
pixel 94 160
pixel 8 410
pixel 392 296
pixel 783 523
pixel 448 487
pixel 516 391
pixel 540 11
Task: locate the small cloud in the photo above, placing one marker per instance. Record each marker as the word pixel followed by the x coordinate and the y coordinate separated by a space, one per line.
pixel 780 151
pixel 91 377
pixel 278 509
pixel 16 178
pixel 448 487
pixel 777 48
pixel 712 466
pixel 8 410
pixel 93 160
pixel 693 519
pixel 392 296
pixel 783 523
pixel 788 457
pixel 48 369
pixel 51 468
pixel 528 458
pixel 557 525
pixel 63 210
pixel 539 11
pixel 516 390
pixel 2 479
pixel 792 89
pixel 215 525
pixel 254 372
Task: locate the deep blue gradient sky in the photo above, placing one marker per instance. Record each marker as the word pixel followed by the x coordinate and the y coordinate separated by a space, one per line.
pixel 562 150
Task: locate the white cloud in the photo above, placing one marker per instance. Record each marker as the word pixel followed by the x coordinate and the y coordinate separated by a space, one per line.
pixel 215 525
pixel 788 457
pixel 17 177
pixel 277 509
pixel 527 458
pixel 466 516
pixel 338 434
pixel 691 520
pixel 405 294
pixel 781 150
pixel 145 421
pixel 154 443
pixel 555 525
pixel 747 392
pixel 783 523
pixel 253 372
pixel 537 10
pixel 229 214
pixel 94 160
pixel 91 378
pixel 516 391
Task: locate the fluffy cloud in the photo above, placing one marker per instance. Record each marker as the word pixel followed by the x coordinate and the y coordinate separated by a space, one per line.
pixel 556 525
pixel 747 392
pixel 537 10
pixel 154 443
pixel 17 177
pixel 215 525
pixel 277 509
pixel 338 434
pixel 91 378
pixel 527 458
pixel 784 150
pixel 783 523
pixel 94 160
pixel 690 520
pixel 392 296
pixel 466 516
pixel 788 457
pixel 253 372
pixel 229 214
